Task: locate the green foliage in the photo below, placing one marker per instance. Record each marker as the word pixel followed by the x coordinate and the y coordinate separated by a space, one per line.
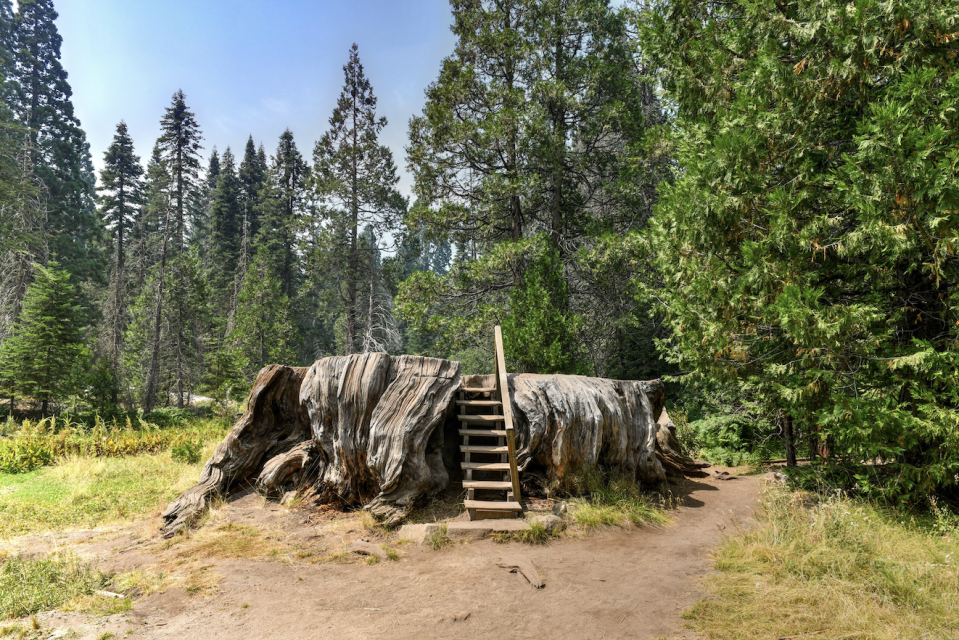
pixel 540 335
pixel 607 499
pixel 187 452
pixel 22 455
pixel 731 440
pixel 46 348
pixel 807 247
pixel 40 584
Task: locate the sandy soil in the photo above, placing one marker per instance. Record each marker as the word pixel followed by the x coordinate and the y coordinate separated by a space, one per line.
pixel 613 584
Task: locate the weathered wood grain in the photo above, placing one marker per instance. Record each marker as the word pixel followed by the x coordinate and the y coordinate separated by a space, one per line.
pixel 274 423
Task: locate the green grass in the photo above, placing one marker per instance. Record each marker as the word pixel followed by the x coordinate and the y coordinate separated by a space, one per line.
pixel 88 492
pixel 30 586
pixel 612 501
pixel 439 538
pixel 536 534
pixel 838 566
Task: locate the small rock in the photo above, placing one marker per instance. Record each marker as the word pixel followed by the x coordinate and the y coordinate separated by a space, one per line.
pixel 561 508
pixel 417 533
pixel 287 498
pixel 459 617
pixel 552 524
pixel 774 476
pixel 367 549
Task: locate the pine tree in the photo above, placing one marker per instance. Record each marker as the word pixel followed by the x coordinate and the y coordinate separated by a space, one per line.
pixel 61 154
pixel 355 179
pixel 122 189
pixel 47 346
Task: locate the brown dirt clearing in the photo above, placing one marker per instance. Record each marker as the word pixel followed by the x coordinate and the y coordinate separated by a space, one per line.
pixel 260 570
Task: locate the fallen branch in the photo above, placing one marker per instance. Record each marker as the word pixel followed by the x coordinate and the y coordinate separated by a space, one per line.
pixel 526 567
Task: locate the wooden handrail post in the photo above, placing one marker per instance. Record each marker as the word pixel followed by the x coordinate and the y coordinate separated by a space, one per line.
pixel 502 382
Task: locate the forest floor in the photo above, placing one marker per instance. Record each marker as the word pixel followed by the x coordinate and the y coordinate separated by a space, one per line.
pixel 257 569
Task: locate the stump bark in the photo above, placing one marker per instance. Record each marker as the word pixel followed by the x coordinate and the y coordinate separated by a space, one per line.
pixel 368 430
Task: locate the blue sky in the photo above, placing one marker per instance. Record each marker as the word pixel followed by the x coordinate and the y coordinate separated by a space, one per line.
pixel 247 67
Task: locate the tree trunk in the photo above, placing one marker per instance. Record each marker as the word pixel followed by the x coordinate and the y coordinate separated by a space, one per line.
pixel 153 373
pixel 380 432
pixel 790 441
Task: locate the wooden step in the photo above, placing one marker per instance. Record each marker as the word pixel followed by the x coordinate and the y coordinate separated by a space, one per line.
pixel 488 505
pixel 480 418
pixel 487 484
pixel 479 390
pixel 479 403
pixel 485 433
pixel 485 466
pixel 475 448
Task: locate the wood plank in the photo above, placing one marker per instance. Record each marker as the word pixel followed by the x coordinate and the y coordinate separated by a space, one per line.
pixel 488 505
pixel 478 448
pixel 479 403
pixel 478 390
pixel 465 417
pixel 503 384
pixel 526 567
pixel 486 466
pixel 487 484
pixel 500 433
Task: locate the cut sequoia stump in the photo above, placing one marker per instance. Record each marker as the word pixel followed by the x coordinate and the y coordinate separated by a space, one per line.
pixel 274 423
pixel 368 430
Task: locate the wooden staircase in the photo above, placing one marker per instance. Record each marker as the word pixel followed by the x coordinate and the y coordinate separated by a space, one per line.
pixel 489 446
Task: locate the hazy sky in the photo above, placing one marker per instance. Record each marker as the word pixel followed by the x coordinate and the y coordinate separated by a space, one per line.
pixel 247 67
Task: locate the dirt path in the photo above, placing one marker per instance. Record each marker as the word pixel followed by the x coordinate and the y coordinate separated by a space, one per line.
pixel 615 584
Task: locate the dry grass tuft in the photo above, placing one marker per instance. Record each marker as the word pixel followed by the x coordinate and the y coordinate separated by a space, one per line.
pixel 837 566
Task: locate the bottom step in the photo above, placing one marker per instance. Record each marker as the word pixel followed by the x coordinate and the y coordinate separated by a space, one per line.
pixel 490 505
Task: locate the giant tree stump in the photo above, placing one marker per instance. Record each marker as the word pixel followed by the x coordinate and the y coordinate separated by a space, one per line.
pixel 368 430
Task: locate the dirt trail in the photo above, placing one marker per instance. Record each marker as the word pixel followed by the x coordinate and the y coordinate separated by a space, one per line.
pixel 615 584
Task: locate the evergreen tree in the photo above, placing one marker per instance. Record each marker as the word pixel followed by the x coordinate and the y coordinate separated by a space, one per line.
pixel 263 331
pixel 60 152
pixel 180 145
pixel 44 353
pixel 282 209
pixel 121 188
pixel 226 224
pixel 355 179
pixel 252 175
pixel 807 245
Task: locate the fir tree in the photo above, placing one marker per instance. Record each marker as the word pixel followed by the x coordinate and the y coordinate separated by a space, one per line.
pixel 61 154
pixel 226 224
pixel 263 331
pixel 252 175
pixel 180 144
pixel 282 209
pixel 121 188
pixel 43 354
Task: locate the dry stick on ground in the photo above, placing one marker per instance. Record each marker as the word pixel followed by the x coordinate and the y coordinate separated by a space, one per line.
pixel 524 566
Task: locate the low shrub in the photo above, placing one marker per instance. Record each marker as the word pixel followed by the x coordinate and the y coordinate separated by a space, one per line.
pixel 187 452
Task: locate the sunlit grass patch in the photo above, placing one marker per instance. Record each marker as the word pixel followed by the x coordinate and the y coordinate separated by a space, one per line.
pixel 836 566
pixel 28 586
pixel 439 538
pixel 612 501
pixel 89 492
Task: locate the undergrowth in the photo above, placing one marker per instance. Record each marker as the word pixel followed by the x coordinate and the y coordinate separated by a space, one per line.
pixel 28 586
pixel 604 500
pixel 836 567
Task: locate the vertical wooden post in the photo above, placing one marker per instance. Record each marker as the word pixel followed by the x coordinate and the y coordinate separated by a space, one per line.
pixel 502 383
